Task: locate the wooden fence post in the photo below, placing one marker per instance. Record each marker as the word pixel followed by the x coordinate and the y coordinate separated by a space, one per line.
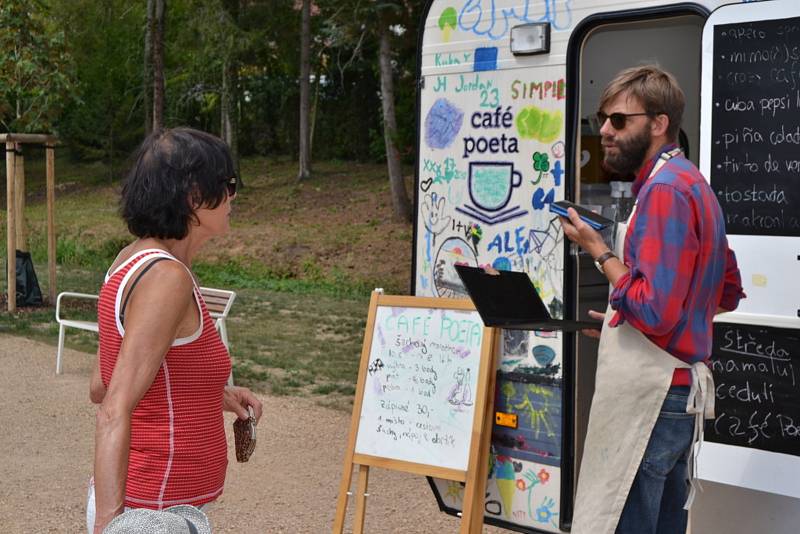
pixel 11 228
pixel 51 222
pixel 21 231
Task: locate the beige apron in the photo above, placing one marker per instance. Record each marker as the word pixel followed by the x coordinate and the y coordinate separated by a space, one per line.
pixel 633 376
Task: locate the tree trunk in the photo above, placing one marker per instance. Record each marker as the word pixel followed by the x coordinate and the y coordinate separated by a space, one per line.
pixel 400 203
pixel 158 64
pixel 305 72
pixel 313 119
pixel 229 99
pixel 229 108
pixel 147 101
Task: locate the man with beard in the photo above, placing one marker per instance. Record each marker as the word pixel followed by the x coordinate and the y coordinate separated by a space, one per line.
pixel 653 387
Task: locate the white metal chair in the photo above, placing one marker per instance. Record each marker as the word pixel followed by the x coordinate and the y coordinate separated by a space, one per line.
pixel 70 323
pixel 218 302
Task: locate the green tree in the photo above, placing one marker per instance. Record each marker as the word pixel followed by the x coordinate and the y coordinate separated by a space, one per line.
pixel 389 21
pixel 36 72
pixel 147 89
pixel 229 95
pixel 105 39
pixel 231 67
pixel 157 47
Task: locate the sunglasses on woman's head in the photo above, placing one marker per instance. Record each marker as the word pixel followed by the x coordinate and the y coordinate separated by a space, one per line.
pixel 619 120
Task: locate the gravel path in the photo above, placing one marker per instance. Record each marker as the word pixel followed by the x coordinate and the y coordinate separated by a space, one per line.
pixel 289 486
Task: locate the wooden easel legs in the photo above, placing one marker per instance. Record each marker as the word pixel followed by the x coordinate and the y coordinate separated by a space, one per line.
pixel 344 491
pixel 361 499
pixel 471 519
pixel 482 470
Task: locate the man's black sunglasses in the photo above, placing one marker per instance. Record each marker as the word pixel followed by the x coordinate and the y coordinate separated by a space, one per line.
pixel 231 184
pixel 619 120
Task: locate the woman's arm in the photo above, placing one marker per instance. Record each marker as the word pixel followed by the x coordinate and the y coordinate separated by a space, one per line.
pixel 97 390
pixel 162 301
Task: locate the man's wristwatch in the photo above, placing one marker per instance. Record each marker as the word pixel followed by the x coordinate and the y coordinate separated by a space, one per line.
pixel 602 259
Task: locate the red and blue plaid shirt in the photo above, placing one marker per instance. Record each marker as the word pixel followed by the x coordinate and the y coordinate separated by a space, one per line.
pixel 681 268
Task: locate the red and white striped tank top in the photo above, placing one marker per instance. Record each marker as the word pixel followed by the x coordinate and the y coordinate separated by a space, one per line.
pixel 178 452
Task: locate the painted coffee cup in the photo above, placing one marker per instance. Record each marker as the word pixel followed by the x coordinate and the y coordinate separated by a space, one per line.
pixel 491 184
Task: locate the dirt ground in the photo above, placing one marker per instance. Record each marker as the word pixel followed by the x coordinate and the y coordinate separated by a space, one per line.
pixel 290 484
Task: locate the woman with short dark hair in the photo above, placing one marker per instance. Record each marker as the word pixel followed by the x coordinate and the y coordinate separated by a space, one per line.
pixel 162 368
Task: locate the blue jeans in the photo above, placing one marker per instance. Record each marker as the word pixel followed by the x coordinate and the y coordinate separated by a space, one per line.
pixel 661 487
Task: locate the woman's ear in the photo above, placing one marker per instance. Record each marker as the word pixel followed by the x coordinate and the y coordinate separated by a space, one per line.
pixel 194 199
pixel 194 204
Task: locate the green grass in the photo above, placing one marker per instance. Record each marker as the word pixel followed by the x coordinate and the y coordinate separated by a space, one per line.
pixel 250 275
pixel 295 329
pixel 298 343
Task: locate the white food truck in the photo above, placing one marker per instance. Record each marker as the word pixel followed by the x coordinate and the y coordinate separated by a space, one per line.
pixel 507 96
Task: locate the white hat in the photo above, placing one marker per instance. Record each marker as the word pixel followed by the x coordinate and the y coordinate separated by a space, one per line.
pixel 181 519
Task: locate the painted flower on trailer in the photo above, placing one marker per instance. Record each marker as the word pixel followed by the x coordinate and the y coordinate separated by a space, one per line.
pixel 544 476
pixel 475 232
pixel 544 514
pixel 521 485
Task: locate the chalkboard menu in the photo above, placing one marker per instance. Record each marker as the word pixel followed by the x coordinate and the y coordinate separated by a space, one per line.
pixel 421 386
pixel 755 150
pixel 757 377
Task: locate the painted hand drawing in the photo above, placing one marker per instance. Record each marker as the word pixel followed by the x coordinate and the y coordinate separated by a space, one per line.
pixel 433 214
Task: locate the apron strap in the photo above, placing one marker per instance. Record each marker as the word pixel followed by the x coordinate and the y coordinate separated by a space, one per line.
pixel 701 405
pixel 662 160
